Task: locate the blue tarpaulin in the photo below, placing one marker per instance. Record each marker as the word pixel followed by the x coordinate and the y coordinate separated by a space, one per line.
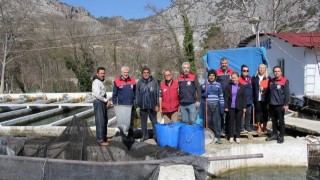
pixel 250 56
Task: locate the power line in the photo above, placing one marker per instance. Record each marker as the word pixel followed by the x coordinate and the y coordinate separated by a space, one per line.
pixel 73 45
pixel 155 31
pixel 282 49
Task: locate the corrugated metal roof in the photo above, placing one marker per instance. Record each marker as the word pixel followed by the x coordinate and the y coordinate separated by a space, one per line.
pixel 311 39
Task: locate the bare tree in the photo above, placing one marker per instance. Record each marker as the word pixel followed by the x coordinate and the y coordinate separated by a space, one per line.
pixel 171 28
pixel 12 15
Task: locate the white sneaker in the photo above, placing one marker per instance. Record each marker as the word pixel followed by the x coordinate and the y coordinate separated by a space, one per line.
pixel 238 140
pixel 231 140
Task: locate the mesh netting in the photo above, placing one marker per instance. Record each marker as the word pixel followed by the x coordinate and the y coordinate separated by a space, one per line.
pixel 122 159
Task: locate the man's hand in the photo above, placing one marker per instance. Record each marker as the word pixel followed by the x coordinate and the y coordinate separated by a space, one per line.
pixel 109 103
pixel 156 108
pixel 226 109
pixel 205 95
pixel 285 108
pixel 197 104
pixel 261 89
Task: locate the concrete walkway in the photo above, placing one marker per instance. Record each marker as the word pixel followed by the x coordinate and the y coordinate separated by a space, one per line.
pixel 307 126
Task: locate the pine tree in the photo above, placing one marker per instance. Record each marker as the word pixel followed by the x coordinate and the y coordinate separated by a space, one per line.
pixel 188 43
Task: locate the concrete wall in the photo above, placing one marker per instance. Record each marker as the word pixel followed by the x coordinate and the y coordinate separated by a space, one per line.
pixel 293 152
pixel 52 95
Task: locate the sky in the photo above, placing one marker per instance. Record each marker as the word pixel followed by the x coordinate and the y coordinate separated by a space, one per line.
pixel 128 9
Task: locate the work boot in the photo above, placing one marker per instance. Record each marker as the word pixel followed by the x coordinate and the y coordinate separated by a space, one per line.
pixel 218 141
pixel 130 133
pixel 144 139
pixel 280 140
pixel 272 137
pixel 258 127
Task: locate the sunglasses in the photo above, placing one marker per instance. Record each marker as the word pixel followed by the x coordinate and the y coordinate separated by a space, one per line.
pixel 245 70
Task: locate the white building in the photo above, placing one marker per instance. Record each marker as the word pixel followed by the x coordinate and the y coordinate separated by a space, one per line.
pixel 299 56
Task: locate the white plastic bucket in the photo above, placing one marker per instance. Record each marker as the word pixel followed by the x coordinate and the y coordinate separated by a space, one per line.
pixel 123 116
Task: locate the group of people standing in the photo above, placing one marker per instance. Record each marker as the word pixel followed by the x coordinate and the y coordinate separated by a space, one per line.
pixel 239 95
pixel 226 96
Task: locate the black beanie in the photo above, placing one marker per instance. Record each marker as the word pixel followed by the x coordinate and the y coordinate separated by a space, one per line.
pixel 212 71
pixel 145 68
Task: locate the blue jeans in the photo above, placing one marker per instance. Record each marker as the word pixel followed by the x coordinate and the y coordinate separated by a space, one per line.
pixel 214 119
pixel 247 119
pixel 188 113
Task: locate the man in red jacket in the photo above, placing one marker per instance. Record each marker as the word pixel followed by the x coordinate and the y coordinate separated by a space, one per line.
pixel 169 98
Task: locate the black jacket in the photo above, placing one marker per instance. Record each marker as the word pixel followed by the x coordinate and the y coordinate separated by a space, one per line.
pixel 256 87
pixel 241 98
pixel 147 93
pixel 279 92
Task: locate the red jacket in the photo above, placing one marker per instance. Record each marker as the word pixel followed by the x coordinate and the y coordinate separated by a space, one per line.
pixel 170 96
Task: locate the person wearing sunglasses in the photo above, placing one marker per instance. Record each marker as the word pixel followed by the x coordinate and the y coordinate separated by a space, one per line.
pixel 245 79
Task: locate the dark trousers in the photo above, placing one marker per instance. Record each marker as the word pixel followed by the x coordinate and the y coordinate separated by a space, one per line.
pixel 224 122
pixel 214 119
pixel 247 119
pixel 277 116
pixel 101 120
pixel 235 119
pixel 261 111
pixel 144 113
pixel 130 131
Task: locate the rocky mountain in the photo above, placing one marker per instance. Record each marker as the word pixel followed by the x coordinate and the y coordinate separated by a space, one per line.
pixel 57 8
pixel 58 42
pixel 232 16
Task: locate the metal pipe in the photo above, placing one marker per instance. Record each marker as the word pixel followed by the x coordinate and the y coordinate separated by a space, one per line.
pixel 236 157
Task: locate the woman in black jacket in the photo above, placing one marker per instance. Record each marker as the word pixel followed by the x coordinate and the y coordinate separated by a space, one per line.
pixel 235 105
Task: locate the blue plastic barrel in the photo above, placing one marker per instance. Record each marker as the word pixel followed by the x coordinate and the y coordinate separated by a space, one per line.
pixel 191 139
pixel 167 134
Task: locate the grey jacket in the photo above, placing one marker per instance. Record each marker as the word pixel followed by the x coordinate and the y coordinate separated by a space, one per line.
pixel 99 90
